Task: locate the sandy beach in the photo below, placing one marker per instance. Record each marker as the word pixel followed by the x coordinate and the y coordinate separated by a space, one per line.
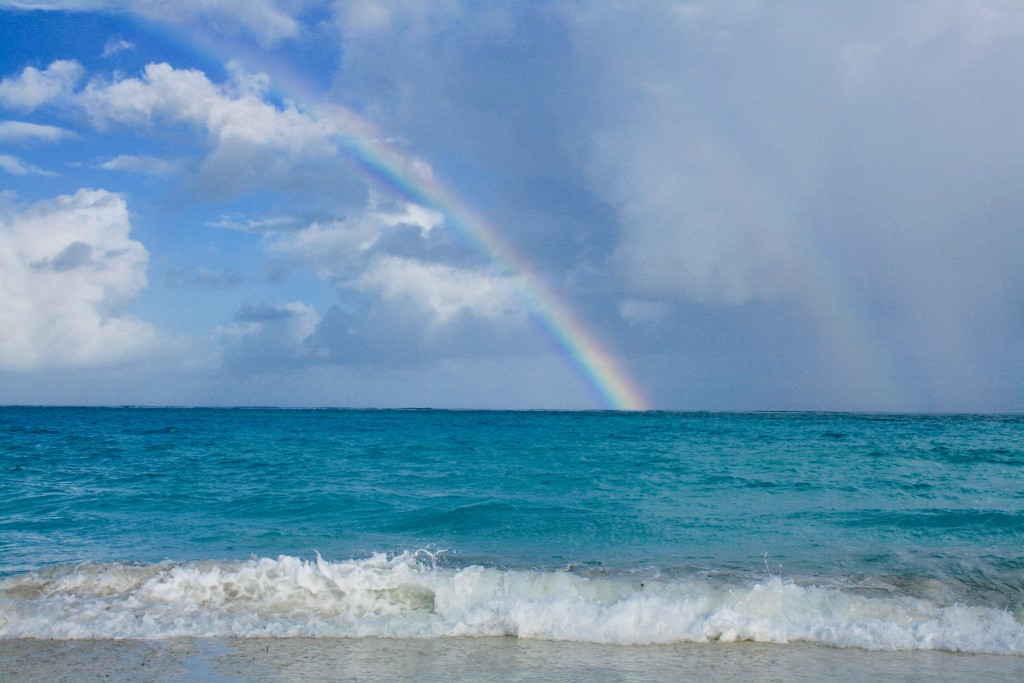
pixel 219 660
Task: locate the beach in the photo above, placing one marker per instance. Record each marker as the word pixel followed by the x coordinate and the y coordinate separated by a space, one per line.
pixel 220 660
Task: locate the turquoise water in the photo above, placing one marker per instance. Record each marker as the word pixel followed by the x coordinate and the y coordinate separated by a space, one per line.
pixel 873 531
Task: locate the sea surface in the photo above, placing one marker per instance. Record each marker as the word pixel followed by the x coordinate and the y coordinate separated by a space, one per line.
pixel 851 531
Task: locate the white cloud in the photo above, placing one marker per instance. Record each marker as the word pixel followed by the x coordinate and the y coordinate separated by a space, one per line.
pixel 253 143
pixel 16 166
pixel 178 94
pixel 441 290
pixel 333 249
pixel 146 165
pixel 67 268
pixel 263 224
pixel 338 250
pixel 34 88
pixel 21 131
pixel 265 20
pixel 245 82
pixel 115 45
pixel 354 254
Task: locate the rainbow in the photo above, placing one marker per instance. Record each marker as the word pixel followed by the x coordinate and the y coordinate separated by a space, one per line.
pixel 598 368
pixel 379 161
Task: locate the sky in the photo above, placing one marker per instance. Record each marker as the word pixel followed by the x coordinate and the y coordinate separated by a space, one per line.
pixel 729 205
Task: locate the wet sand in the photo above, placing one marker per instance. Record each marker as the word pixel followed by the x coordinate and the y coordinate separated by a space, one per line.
pixel 217 660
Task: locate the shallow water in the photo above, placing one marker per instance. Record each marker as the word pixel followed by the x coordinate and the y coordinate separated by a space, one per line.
pixel 879 532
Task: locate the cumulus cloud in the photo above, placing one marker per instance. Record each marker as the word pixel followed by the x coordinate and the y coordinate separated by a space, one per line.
pixel 383 253
pixel 442 290
pixel 338 249
pixel 265 20
pixel 22 131
pixel 403 299
pixel 187 95
pixel 67 268
pixel 252 143
pixel 34 88
pixel 356 252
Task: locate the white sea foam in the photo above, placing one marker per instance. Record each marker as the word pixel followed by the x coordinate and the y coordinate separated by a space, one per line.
pixel 404 597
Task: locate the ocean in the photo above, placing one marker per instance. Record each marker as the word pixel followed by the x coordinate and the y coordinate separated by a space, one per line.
pixel 641 546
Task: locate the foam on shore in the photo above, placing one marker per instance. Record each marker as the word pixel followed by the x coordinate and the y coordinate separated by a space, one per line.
pixel 404 596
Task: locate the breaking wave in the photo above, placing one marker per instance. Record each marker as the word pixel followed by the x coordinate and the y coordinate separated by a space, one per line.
pixel 408 596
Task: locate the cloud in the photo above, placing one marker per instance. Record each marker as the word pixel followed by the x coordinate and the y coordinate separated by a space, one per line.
pixel 146 165
pixel 855 175
pixel 363 253
pixel 115 45
pixel 67 269
pixel 402 300
pixel 697 218
pixel 265 20
pixel 364 16
pixel 678 171
pixel 401 333
pixel 266 224
pixel 34 88
pixel 16 166
pixel 443 291
pixel 865 169
pixel 593 155
pixel 358 17
pixel 339 249
pixel 21 131
pixel 266 335
pixel 695 222
pixel 396 252
pixel 252 143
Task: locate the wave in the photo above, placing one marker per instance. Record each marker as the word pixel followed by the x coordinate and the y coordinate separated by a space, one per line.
pixel 409 596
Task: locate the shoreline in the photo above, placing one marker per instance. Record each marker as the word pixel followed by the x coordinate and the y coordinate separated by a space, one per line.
pixel 222 660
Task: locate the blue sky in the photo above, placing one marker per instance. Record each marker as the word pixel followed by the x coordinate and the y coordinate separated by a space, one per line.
pixel 744 205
